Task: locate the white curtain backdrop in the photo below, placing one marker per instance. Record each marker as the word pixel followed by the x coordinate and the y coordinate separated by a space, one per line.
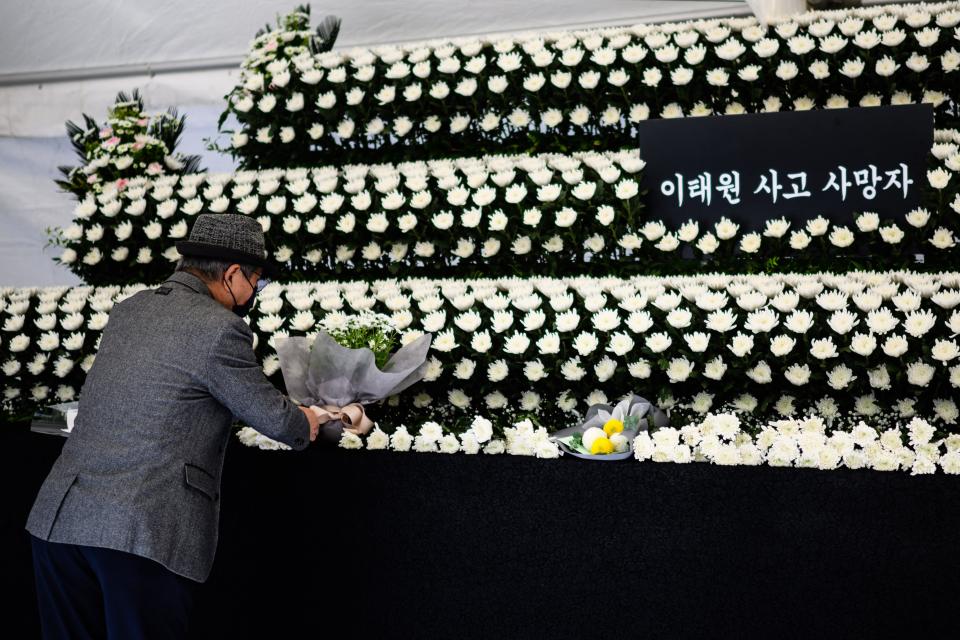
pixel 60 59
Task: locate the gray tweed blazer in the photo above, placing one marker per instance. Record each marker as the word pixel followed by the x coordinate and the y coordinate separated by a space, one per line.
pixel 140 472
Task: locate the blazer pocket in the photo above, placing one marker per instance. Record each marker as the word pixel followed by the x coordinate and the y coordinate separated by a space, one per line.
pixel 201 480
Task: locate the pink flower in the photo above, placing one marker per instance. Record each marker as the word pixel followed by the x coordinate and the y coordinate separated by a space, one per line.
pixel 143 121
pixel 92 178
pixel 112 142
pixel 271 45
pixel 137 145
pixel 106 132
pixel 154 168
pixel 121 183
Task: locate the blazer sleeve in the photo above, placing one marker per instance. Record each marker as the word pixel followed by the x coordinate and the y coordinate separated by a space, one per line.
pixel 236 380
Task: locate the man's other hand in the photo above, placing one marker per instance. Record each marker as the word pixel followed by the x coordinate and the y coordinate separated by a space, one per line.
pixel 314 422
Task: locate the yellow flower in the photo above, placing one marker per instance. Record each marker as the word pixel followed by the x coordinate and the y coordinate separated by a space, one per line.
pixel 601 445
pixel 612 426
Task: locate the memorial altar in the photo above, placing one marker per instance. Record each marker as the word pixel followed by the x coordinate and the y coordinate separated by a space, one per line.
pixel 750 229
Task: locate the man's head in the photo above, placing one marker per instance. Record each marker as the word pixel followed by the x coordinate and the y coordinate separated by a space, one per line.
pixel 227 252
pixel 232 285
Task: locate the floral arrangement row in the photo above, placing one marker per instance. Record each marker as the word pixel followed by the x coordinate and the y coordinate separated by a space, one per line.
pixel 547 346
pixel 558 91
pixel 488 216
pixel 718 438
pixel 469 213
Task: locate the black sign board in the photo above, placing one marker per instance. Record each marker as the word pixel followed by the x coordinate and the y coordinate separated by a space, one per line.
pixel 793 164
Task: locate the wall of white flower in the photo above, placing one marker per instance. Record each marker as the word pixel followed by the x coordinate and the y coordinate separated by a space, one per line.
pixel 862 342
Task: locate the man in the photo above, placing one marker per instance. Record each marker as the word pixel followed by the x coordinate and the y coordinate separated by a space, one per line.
pixel 125 525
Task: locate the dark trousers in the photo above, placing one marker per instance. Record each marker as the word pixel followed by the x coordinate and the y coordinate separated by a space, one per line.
pixel 90 592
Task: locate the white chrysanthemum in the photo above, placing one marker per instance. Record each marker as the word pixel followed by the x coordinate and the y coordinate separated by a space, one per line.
pixel 516 344
pixel 697 341
pixel 895 346
pixel 761 321
pixel 938 178
pixel 943 238
pixel 917 217
pixel 658 342
pixel 449 443
pixel 469 321
pixel 586 343
pixel 605 369
pixel 919 323
pixel 714 369
pixel 431 431
pixel 350 440
pixel 840 377
pixel 377 439
pixel 946 409
pixel 881 321
pixel 741 344
pixel 620 343
pixel 400 439
pixel 863 344
pixel 920 373
pixel 643 446
pixel 823 348
pixel 721 321
pixel 464 369
pixel 842 322
pixel 782 345
pixel 679 369
pixel 444 341
pixel 680 318
pixel 944 350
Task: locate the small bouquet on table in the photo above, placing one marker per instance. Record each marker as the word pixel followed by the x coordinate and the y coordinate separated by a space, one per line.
pixel 347 364
pixel 607 433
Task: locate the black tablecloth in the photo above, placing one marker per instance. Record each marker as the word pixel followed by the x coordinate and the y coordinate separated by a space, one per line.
pixel 433 545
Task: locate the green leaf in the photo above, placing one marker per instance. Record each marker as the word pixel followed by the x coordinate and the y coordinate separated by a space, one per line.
pixel 575 443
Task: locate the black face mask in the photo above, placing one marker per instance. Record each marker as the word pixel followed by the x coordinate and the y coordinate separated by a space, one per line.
pixel 242 309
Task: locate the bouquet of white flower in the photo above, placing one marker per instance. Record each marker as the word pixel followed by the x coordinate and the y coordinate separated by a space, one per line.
pixel 343 367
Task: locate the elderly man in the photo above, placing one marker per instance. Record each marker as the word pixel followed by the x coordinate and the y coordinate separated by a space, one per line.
pixel 125 525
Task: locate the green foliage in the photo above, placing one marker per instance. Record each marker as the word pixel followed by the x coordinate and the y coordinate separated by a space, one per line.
pixel 380 343
pixel 575 442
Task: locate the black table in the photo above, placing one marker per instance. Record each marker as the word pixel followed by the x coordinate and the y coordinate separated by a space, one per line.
pixel 434 545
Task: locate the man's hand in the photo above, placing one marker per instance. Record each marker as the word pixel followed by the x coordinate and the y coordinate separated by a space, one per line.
pixel 314 422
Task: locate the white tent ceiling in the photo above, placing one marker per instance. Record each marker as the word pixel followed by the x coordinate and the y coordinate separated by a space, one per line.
pixel 61 59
